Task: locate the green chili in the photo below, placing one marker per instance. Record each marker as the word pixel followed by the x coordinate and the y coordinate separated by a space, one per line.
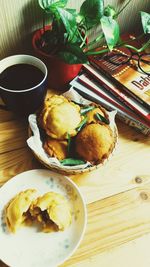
pixel 81 124
pixel 71 162
pixel 101 118
pixel 86 109
pixel 69 144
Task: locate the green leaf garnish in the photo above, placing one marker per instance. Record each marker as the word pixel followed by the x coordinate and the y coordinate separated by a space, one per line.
pixel 69 144
pixel 101 118
pixel 71 162
pixel 81 124
pixel 86 109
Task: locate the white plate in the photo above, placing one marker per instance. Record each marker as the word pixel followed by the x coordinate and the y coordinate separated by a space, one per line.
pixel 29 247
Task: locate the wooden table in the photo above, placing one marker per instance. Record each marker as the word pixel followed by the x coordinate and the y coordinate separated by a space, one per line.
pixel 117 196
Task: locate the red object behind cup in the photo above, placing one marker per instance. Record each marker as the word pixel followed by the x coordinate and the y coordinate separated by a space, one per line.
pixel 59 72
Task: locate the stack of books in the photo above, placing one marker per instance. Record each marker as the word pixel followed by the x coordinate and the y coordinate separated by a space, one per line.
pixel 124 88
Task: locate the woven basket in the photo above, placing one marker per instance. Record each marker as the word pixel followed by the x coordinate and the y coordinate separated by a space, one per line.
pixel 78 171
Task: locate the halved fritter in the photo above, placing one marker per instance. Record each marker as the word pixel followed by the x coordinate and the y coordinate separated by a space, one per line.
pixel 16 212
pixel 52 211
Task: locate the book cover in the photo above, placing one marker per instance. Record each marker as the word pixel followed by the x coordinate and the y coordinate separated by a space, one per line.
pixel 123 114
pixel 128 76
pixel 109 86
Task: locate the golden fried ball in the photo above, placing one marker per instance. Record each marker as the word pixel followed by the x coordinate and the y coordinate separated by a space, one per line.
pixel 51 209
pixel 94 142
pixel 15 211
pixel 56 148
pixel 62 119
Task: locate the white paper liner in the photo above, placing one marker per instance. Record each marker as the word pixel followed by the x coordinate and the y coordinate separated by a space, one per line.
pixel 35 143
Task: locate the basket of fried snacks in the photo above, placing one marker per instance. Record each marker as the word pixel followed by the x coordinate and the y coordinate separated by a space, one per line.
pixel 71 135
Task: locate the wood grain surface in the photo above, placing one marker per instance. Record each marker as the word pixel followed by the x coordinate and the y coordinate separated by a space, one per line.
pixel 114 221
pixel 117 196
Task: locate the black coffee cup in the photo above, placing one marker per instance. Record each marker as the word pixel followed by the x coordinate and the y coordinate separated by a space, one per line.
pixel 23 83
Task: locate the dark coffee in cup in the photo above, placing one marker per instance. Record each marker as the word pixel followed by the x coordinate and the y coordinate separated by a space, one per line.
pixel 13 77
pixel 23 83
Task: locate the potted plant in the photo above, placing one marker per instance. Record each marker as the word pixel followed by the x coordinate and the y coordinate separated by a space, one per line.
pixel 63 44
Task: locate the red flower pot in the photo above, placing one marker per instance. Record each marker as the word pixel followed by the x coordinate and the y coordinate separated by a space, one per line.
pixel 59 72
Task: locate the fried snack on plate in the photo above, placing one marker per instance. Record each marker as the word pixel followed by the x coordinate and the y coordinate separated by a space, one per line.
pixel 52 211
pixel 94 142
pixel 56 148
pixel 16 212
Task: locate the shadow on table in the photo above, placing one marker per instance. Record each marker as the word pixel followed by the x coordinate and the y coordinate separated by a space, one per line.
pixel 130 133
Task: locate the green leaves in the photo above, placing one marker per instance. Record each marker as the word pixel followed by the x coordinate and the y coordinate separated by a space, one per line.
pixel 69 29
pixel 109 11
pixel 69 21
pixel 48 5
pixel 145 17
pixel 73 54
pixel 111 31
pixel 92 11
pixel 44 4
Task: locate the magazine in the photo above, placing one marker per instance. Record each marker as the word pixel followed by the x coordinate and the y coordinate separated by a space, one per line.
pixel 123 114
pixel 103 94
pixel 94 77
pixel 128 76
